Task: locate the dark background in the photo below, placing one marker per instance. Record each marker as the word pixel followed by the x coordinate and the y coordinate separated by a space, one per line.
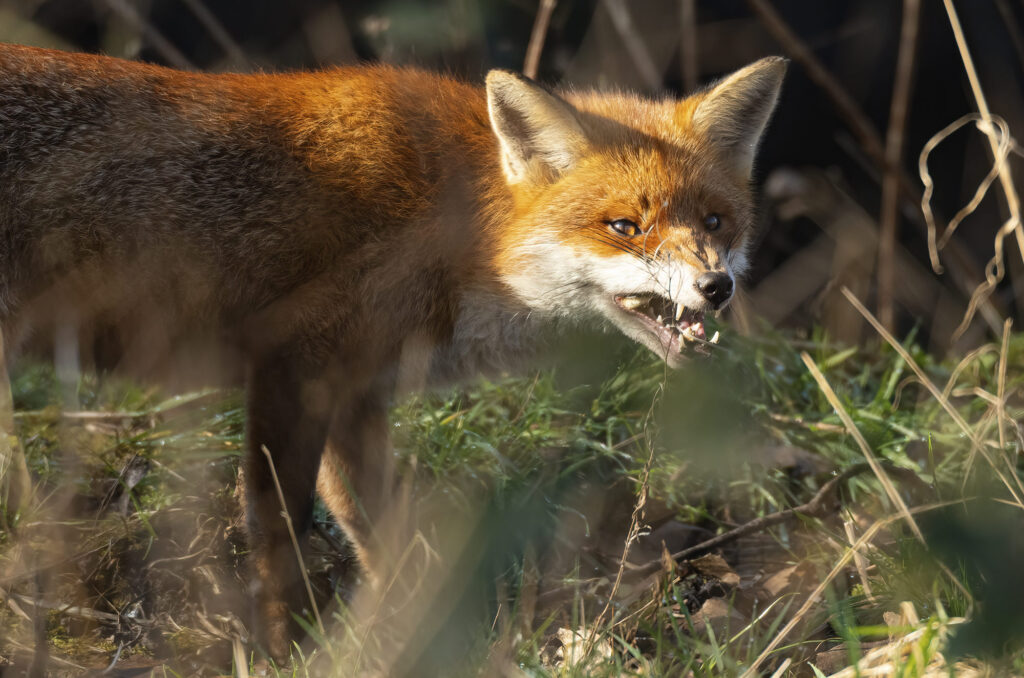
pixel 810 141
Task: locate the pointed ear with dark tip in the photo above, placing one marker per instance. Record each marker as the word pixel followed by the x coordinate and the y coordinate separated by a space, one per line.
pixel 538 132
pixel 734 112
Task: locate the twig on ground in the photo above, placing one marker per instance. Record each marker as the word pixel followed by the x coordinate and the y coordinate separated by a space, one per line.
pixel 81 612
pixel 818 506
pixel 148 417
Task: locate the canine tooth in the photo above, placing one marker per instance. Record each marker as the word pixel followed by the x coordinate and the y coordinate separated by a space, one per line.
pixel 714 339
pixel 659 318
pixel 679 311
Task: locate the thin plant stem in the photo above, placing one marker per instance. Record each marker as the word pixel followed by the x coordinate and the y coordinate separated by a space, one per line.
pixel 537 37
pixel 295 541
pixel 889 221
pixel 887 485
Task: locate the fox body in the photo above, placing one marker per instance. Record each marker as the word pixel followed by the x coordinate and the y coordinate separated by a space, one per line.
pixel 330 238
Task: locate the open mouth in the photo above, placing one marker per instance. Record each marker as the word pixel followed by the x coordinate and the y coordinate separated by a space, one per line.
pixel 676 326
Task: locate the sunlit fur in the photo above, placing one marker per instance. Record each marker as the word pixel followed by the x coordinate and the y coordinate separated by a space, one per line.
pixel 329 238
pixel 665 165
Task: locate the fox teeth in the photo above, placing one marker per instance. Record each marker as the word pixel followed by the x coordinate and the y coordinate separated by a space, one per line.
pixel 714 338
pixel 632 303
pixel 659 319
pixel 679 311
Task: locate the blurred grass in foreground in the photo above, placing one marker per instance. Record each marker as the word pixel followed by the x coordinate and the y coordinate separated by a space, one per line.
pixel 526 487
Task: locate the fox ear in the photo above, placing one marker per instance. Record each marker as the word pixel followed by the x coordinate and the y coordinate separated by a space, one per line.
pixel 734 112
pixel 536 129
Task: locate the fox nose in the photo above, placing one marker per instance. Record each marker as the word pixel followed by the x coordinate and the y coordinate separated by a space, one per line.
pixel 715 287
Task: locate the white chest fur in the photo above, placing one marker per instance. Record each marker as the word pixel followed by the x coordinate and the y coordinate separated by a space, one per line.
pixel 488 337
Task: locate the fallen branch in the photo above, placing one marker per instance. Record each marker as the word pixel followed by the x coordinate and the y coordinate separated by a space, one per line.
pixel 819 506
pixel 81 612
pixel 149 417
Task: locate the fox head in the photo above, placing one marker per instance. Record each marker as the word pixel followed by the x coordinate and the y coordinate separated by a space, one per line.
pixel 636 210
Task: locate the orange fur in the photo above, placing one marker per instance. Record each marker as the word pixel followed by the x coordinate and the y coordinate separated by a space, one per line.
pixel 329 238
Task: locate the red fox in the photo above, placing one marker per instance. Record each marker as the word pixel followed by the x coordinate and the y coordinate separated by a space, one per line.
pixel 330 238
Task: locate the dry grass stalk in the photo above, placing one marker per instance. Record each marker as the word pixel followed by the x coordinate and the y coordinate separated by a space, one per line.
pixel 15 481
pixel 961 265
pixel 1005 177
pixel 883 478
pixel 964 363
pixel 893 159
pixel 935 241
pixel 636 46
pixel 844 560
pixel 537 36
pixel 217 31
pixel 688 47
pixel 635 524
pixel 295 541
pixel 801 53
pixel 1001 417
pixel 977 443
pixel 167 50
pixel 859 562
pixel 995 269
pixel 781 671
pixel 238 652
pixel 888 659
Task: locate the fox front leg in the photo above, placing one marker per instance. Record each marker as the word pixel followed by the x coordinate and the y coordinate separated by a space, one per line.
pixel 286 419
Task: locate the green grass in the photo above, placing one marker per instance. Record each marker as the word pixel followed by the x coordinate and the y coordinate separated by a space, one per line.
pixel 535 478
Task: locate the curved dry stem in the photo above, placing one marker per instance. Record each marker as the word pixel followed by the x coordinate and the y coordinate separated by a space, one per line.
pixel 1005 146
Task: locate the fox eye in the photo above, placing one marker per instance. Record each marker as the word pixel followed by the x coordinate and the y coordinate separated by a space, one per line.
pixel 712 222
pixel 625 227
